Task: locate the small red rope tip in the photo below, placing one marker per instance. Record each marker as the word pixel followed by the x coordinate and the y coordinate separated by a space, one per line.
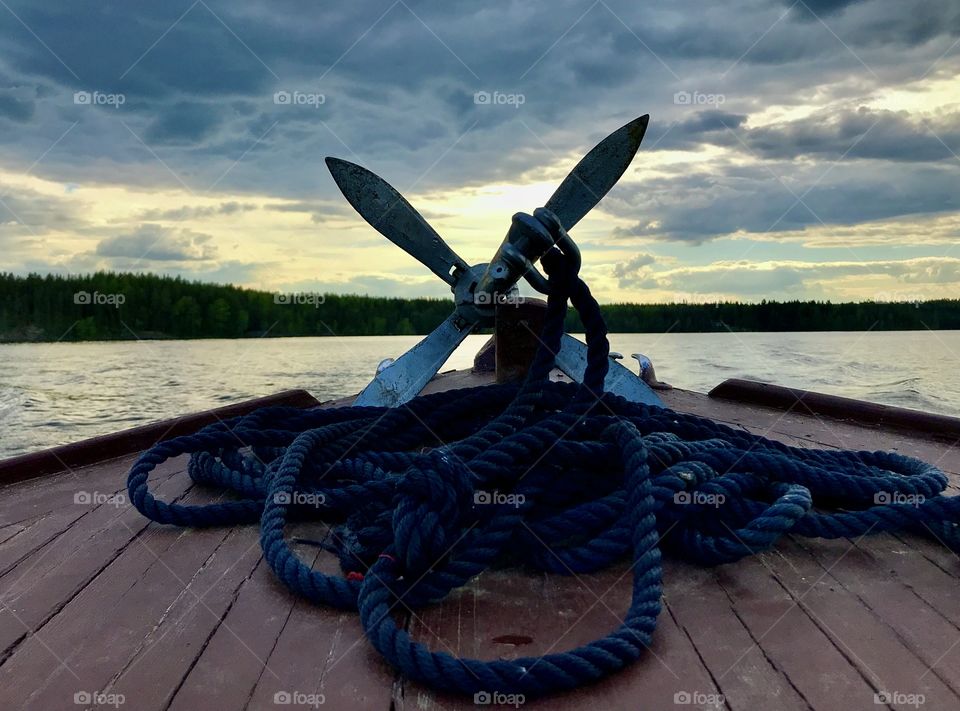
pixel 354 575
pixel 388 557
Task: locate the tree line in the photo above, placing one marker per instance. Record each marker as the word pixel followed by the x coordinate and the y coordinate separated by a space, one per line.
pixel 110 305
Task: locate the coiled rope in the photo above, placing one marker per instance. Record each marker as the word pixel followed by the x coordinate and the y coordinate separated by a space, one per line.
pixel 424 497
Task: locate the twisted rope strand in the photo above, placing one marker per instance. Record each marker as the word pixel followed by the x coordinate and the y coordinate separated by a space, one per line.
pixel 426 496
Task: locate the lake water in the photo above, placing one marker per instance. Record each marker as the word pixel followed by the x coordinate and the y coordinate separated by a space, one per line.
pixel 54 393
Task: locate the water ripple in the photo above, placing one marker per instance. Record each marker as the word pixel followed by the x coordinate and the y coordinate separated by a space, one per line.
pixel 54 393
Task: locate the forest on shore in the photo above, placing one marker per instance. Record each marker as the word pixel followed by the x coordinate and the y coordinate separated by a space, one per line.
pixel 111 306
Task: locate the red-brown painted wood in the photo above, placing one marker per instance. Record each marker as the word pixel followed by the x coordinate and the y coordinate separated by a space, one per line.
pixel 109 602
pixel 807 402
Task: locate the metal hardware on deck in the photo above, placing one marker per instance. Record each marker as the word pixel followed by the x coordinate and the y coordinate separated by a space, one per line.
pixel 648 374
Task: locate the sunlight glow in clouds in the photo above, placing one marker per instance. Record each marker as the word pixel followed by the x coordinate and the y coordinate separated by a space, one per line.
pixel 830 169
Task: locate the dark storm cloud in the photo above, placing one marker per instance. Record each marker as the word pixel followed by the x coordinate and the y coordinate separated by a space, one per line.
pixel 699 206
pixel 180 214
pixel 853 133
pixel 633 265
pixel 17 103
pixel 693 132
pixel 864 24
pixel 183 123
pixel 874 24
pixel 152 242
pixel 399 82
pixel 805 8
pixel 24 211
pixel 319 211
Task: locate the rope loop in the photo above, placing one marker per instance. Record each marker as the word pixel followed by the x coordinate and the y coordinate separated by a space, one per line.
pixel 428 509
pixel 558 477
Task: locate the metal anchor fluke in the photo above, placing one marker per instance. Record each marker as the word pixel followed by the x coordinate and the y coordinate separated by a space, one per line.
pixel 478 287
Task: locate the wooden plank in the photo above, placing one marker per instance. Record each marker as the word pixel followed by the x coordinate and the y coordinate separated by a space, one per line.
pixel 10 530
pixel 271 644
pixel 323 654
pixel 49 510
pixel 865 573
pixel 151 672
pixel 818 430
pixel 877 651
pixel 931 583
pixel 545 614
pixel 517 336
pixel 114 617
pixel 134 628
pixel 921 424
pixel 39 585
pixel 235 658
pixel 32 498
pixel 934 550
pixel 789 639
pixel 705 614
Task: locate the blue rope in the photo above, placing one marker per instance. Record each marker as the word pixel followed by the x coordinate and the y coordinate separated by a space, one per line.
pixel 424 497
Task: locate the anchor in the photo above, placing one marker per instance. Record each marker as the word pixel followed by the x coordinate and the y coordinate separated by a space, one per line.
pixel 479 288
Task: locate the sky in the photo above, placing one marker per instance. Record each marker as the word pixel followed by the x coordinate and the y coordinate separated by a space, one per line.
pixel 796 150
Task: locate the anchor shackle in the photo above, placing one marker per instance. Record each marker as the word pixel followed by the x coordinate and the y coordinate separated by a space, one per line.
pixel 527 240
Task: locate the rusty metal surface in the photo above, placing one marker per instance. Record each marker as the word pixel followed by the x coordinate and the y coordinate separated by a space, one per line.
pixel 517 330
pixel 386 210
pixel 596 173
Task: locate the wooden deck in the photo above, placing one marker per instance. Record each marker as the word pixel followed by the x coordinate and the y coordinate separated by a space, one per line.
pixel 94 600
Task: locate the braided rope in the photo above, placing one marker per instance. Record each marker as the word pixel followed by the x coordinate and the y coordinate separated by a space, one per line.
pixel 426 496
